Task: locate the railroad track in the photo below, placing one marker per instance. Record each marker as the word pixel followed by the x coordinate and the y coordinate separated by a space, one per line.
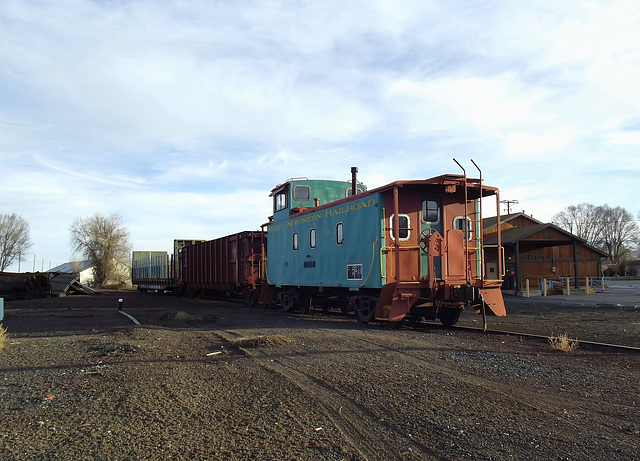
pixel 593 344
pixel 546 338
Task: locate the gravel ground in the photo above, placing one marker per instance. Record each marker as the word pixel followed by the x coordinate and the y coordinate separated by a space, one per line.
pixel 78 380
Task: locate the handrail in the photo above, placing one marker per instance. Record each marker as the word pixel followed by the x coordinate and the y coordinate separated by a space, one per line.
pixel 466 215
pixel 373 258
pixel 480 230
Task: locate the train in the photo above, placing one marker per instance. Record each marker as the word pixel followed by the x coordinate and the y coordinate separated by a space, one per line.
pixel 409 250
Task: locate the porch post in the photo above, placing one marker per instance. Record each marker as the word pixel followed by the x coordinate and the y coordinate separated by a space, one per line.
pixel 517 267
pixel 575 263
pixel 396 232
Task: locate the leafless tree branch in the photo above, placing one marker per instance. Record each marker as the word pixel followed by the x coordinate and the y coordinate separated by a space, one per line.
pixel 14 238
pixel 103 240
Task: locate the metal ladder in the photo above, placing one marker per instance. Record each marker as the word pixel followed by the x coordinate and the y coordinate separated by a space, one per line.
pixel 474 240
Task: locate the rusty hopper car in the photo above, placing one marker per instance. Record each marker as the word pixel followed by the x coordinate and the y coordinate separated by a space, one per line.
pixel 230 265
pixel 410 248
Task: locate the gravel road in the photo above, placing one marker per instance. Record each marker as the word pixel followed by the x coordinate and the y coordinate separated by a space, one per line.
pixel 207 380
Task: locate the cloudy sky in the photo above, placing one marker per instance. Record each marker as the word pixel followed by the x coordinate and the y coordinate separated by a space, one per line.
pixel 181 116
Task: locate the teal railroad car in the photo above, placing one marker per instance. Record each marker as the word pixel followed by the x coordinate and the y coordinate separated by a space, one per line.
pixel 410 248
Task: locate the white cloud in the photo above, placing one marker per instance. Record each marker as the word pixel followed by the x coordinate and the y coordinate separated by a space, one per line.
pixel 465 103
pixel 182 116
pixel 625 138
pixel 541 145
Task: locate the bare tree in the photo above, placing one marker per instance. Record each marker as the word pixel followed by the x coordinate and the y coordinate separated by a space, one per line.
pixel 14 238
pixel 103 240
pixel 582 220
pixel 619 233
pixel 611 229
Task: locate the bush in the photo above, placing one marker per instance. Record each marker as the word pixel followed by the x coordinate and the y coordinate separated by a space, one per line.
pixel 181 316
pixel 3 337
pixel 262 340
pixel 563 343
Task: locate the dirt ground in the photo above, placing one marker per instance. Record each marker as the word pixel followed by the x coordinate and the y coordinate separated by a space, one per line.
pixel 79 380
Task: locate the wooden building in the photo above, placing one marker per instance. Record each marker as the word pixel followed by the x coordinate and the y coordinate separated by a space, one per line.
pixel 535 251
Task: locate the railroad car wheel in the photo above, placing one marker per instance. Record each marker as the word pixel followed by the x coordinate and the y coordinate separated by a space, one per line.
pixel 449 316
pixel 304 303
pixel 287 299
pixel 250 297
pixel 364 309
pixel 29 288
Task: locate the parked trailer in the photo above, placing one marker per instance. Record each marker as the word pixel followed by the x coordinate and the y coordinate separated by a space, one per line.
pixel 230 265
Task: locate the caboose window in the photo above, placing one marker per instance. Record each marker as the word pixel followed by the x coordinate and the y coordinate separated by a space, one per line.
pixel 295 240
pixel 459 223
pixel 403 224
pixel 348 192
pixel 280 201
pixel 340 233
pixel 312 238
pixel 301 193
pixel 430 212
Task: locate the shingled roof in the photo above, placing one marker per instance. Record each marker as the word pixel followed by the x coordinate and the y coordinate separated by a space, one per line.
pixel 520 234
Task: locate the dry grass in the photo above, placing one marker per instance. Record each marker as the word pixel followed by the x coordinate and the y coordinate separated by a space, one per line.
pixel 180 316
pixel 563 343
pixel 262 341
pixel 3 337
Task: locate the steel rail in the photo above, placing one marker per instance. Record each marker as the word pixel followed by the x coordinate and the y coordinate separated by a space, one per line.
pixel 531 335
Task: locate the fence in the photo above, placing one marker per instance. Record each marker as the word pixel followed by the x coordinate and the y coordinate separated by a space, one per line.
pixel 563 285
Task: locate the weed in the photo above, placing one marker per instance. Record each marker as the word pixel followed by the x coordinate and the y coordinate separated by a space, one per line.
pixel 262 340
pixel 3 337
pixel 181 316
pixel 563 343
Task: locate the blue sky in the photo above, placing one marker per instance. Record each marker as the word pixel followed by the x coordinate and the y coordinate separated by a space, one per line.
pixel 182 115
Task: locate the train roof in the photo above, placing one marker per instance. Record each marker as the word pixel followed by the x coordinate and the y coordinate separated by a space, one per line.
pixel 288 182
pixel 444 181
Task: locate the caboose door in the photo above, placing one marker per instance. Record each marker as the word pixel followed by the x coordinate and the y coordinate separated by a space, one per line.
pixel 430 220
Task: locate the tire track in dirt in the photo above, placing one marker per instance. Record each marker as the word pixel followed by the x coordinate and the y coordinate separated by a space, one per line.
pixel 371 439
pixel 572 412
pixel 538 401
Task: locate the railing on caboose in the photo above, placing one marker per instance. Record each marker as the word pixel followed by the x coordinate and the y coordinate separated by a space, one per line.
pixel 475 245
pixel 475 236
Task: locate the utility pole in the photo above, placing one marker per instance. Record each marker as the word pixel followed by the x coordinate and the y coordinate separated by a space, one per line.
pixel 509 203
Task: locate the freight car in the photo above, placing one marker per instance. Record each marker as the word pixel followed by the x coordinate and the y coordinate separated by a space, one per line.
pixel 157 270
pixel 229 265
pixel 408 248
